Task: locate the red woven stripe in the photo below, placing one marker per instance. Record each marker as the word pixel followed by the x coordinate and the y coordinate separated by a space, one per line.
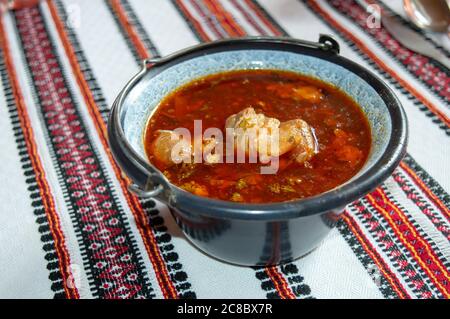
pixel 280 283
pixel 207 18
pixel 225 18
pixel 434 199
pixel 195 24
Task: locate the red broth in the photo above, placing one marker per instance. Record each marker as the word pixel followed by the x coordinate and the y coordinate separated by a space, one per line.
pixel 341 128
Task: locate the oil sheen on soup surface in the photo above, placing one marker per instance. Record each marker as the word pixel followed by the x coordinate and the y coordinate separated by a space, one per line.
pixel 341 129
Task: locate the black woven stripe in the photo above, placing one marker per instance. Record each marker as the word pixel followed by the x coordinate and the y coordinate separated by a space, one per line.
pixel 431 183
pixel 433 117
pixel 296 281
pixel 382 47
pixel 156 221
pixel 266 283
pixel 83 62
pixel 416 197
pixel 409 24
pixel 124 34
pixel 187 20
pixel 136 23
pixel 48 244
pixel 272 21
pixel 92 272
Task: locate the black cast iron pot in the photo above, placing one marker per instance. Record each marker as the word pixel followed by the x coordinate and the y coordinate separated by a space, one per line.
pixel 255 234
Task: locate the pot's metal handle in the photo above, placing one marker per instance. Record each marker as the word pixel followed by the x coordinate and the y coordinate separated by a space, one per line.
pixel 151 62
pixel 155 187
pixel 148 63
pixel 150 191
pixel 329 43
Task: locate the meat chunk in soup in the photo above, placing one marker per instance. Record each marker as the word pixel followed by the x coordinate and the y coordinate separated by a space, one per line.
pixel 297 136
pixel 171 148
pixel 294 136
pixel 163 148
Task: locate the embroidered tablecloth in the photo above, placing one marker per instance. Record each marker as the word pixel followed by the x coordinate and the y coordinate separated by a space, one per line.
pixel 69 227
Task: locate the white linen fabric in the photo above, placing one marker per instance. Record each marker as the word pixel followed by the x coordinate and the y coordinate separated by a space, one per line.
pixel 70 229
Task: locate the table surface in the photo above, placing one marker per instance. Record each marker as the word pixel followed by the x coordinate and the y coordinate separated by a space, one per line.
pixel 70 229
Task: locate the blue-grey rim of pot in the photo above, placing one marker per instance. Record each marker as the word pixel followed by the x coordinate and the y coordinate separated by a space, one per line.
pixel 149 181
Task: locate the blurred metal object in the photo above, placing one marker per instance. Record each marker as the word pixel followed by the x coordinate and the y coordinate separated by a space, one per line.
pixel 433 15
pixel 413 40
